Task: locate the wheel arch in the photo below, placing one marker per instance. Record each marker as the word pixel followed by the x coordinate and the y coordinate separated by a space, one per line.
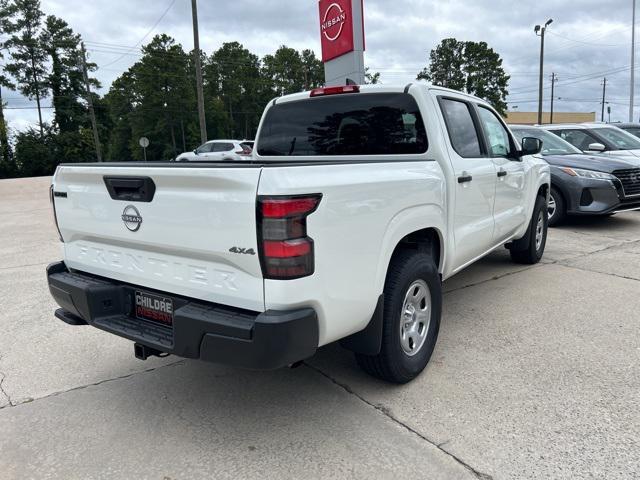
pixel 428 239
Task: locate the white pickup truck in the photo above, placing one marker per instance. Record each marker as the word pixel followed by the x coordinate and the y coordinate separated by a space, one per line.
pixel 358 202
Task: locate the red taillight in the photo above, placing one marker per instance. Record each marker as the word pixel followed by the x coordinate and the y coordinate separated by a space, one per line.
pixel 323 92
pixel 286 252
pixel 287 207
pixel 287 249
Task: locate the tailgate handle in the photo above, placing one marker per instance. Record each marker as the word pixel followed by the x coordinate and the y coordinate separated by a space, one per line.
pixel 131 189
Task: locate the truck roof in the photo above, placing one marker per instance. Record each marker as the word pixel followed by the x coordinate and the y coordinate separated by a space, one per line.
pixel 397 88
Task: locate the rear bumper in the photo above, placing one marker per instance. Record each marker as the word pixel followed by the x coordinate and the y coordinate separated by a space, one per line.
pixel 202 330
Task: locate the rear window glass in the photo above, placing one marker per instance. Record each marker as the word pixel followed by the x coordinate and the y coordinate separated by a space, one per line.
pixel 352 124
pixel 462 130
pixel 222 147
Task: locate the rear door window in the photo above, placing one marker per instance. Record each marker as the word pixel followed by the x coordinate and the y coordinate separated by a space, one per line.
pixel 462 129
pixel 350 124
pixel 222 147
pixel 578 138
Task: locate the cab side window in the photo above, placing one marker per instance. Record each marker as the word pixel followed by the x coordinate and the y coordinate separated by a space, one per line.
pixel 222 147
pixel 578 138
pixel 498 140
pixel 462 129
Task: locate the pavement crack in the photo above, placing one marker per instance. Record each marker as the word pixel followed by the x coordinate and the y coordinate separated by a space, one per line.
pixel 496 277
pixel 3 392
pixel 25 266
pixel 82 387
pixel 582 269
pixel 387 413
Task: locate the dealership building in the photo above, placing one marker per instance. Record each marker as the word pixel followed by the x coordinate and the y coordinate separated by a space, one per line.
pixel 531 118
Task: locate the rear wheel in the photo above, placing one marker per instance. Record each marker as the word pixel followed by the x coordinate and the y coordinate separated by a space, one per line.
pixel 412 310
pixel 530 248
pixel 557 208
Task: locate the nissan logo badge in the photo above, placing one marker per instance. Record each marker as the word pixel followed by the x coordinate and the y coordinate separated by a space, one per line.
pixel 131 218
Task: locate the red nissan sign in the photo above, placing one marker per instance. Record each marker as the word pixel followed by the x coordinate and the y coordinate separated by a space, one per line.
pixel 336 28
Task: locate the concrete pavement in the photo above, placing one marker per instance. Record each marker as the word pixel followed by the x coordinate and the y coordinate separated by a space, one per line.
pixel 535 376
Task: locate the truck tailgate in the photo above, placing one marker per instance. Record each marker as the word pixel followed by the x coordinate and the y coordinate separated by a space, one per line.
pixel 184 236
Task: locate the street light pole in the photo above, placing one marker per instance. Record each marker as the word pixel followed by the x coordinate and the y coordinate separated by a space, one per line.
pixel 540 31
pixel 633 63
pixel 554 79
pixel 604 97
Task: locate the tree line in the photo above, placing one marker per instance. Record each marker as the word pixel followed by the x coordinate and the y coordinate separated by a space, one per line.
pixel 43 59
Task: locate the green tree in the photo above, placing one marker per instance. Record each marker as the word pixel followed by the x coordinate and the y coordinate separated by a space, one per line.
pixel 285 71
pixel 313 70
pixel 28 57
pixel 470 67
pixel 7 164
pixel 232 80
pixel 371 78
pixel 155 98
pixel 65 79
pixel 119 105
pixel 35 152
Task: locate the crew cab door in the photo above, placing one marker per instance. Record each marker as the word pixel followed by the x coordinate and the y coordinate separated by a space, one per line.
pixel 508 211
pixel 474 181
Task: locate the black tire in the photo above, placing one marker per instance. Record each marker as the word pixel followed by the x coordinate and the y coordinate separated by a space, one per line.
pixel 561 208
pixel 392 364
pixel 526 250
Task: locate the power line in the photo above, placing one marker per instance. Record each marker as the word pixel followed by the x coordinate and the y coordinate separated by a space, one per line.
pixel 146 34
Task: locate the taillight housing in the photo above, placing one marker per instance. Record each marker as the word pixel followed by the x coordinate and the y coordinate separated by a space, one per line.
pixel 286 251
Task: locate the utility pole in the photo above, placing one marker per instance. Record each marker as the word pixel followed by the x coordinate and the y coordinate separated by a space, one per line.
pixel 604 97
pixel 554 79
pixel 196 52
pixel 540 31
pixel 633 63
pixel 92 113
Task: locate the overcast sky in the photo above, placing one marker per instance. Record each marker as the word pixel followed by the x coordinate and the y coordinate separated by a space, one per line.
pixel 589 39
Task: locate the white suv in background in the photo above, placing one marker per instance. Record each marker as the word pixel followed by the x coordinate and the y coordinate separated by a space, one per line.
pixel 217 151
pixel 598 138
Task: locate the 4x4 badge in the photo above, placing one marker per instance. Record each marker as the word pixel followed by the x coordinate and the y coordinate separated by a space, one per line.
pixel 243 251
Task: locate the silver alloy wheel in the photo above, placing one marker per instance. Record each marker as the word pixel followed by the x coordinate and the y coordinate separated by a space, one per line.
pixel 552 207
pixel 539 231
pixel 415 317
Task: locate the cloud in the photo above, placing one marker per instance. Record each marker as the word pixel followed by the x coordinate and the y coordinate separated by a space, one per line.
pixel 588 39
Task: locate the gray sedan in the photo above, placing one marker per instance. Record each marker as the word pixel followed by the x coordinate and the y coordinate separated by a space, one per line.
pixel 584 184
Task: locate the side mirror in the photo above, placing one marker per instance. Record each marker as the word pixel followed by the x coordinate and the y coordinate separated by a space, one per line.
pixel 530 146
pixel 596 147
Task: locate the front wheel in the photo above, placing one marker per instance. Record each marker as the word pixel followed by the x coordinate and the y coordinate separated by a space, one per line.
pixel 412 310
pixel 556 208
pixel 530 248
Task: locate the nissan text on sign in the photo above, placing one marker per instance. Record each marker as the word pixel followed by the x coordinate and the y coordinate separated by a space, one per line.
pixel 342 39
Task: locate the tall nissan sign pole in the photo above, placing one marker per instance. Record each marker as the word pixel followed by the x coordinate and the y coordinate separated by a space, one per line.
pixel 342 38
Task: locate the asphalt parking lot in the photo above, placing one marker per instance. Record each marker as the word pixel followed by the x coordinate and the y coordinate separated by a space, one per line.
pixel 536 375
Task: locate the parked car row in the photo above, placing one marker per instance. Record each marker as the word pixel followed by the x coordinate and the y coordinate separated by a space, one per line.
pixel 595 168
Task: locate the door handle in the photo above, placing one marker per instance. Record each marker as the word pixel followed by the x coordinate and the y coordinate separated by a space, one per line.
pixel 465 179
pixel 502 173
